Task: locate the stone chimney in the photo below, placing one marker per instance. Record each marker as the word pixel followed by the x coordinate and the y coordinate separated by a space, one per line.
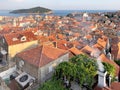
pixel 102 79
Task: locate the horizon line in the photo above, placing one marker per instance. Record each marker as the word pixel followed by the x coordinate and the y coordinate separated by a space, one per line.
pixel 74 9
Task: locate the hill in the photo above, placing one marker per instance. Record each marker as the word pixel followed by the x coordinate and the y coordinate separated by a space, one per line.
pixel 34 10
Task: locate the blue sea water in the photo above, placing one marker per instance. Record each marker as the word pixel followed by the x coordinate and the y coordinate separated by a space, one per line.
pixel 55 12
pixel 65 12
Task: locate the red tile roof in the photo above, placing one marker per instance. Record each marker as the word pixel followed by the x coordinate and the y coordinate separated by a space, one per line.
pixel 88 37
pixel 98 46
pixel 102 42
pixel 75 51
pixel 42 55
pixel 115 86
pixel 76 43
pixel 42 39
pixel 60 36
pixel 76 34
pixel 15 38
pixel 87 49
pixel 62 44
pixel 52 37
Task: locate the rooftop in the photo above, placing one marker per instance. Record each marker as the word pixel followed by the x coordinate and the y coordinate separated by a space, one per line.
pixel 42 55
pixel 20 37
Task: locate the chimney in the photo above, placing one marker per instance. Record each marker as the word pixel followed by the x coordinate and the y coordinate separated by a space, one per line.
pixel 102 79
pixel 65 44
pixel 55 44
pixel 94 37
pixel 101 74
pixel 108 44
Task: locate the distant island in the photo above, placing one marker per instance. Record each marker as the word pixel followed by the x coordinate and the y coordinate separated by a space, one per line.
pixel 35 10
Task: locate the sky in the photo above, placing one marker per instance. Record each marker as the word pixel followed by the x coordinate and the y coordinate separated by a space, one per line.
pixel 61 4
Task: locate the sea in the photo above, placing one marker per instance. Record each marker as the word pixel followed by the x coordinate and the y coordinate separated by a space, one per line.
pixel 55 12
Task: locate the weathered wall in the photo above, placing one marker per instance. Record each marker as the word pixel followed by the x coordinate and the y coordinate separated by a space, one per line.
pixel 28 68
pixel 44 71
pixel 41 73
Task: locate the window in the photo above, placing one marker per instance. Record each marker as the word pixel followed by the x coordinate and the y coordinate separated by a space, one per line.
pixel 23 38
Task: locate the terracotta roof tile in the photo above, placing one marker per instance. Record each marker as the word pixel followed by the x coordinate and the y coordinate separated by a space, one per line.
pixel 88 37
pixel 60 36
pixel 75 51
pixel 87 49
pixel 76 43
pixel 62 44
pixel 76 34
pixel 52 37
pixel 15 38
pixel 42 55
pixel 98 46
pixel 115 86
pixel 102 42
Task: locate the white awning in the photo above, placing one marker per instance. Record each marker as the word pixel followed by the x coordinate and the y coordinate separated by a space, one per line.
pixel 3 52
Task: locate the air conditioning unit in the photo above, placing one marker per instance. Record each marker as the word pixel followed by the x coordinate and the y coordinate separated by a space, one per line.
pixel 25 79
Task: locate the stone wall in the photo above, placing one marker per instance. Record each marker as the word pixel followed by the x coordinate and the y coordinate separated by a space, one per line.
pixel 47 71
pixel 27 67
pixel 41 73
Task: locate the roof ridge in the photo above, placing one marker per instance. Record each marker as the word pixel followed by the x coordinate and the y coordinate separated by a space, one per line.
pixel 41 55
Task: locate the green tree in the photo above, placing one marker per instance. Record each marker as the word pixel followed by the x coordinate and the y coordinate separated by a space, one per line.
pixel 86 69
pixel 110 69
pixel 65 69
pixel 81 68
pixel 52 85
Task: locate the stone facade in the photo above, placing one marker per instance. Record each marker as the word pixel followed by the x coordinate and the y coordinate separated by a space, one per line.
pixel 27 67
pixel 46 71
pixel 41 73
